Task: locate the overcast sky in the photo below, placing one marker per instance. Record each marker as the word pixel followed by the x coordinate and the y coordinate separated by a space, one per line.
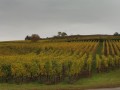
pixel 19 18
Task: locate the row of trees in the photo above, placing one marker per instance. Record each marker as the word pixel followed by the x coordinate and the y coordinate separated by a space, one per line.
pixel 36 37
pixel 33 37
pixel 62 34
pixel 116 34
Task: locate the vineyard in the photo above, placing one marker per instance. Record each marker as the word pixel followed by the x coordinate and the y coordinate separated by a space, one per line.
pixel 53 62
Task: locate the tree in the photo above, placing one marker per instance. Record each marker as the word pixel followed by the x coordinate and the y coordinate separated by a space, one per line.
pixel 116 34
pixel 63 34
pixel 28 37
pixel 35 37
pixel 59 34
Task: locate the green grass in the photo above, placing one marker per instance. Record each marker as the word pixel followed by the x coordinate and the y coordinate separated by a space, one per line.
pixel 111 79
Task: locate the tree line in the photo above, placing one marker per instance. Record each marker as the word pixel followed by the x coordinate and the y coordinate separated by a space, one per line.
pixel 36 37
pixel 33 37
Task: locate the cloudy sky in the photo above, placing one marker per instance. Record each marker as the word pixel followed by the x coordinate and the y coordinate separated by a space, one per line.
pixel 19 18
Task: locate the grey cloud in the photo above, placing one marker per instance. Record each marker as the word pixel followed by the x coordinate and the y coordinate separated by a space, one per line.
pixel 43 16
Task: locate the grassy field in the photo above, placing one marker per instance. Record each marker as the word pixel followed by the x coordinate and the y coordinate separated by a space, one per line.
pixel 111 79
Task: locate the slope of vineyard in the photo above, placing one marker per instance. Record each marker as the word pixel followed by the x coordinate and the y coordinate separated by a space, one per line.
pixel 52 62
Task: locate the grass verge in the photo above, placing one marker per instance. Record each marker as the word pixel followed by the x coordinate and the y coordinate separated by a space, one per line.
pixel 102 80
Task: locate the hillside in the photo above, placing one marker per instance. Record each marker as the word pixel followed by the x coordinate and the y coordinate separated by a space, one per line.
pixel 56 61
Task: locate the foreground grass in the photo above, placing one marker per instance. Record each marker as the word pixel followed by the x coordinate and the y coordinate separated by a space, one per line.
pixel 111 79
